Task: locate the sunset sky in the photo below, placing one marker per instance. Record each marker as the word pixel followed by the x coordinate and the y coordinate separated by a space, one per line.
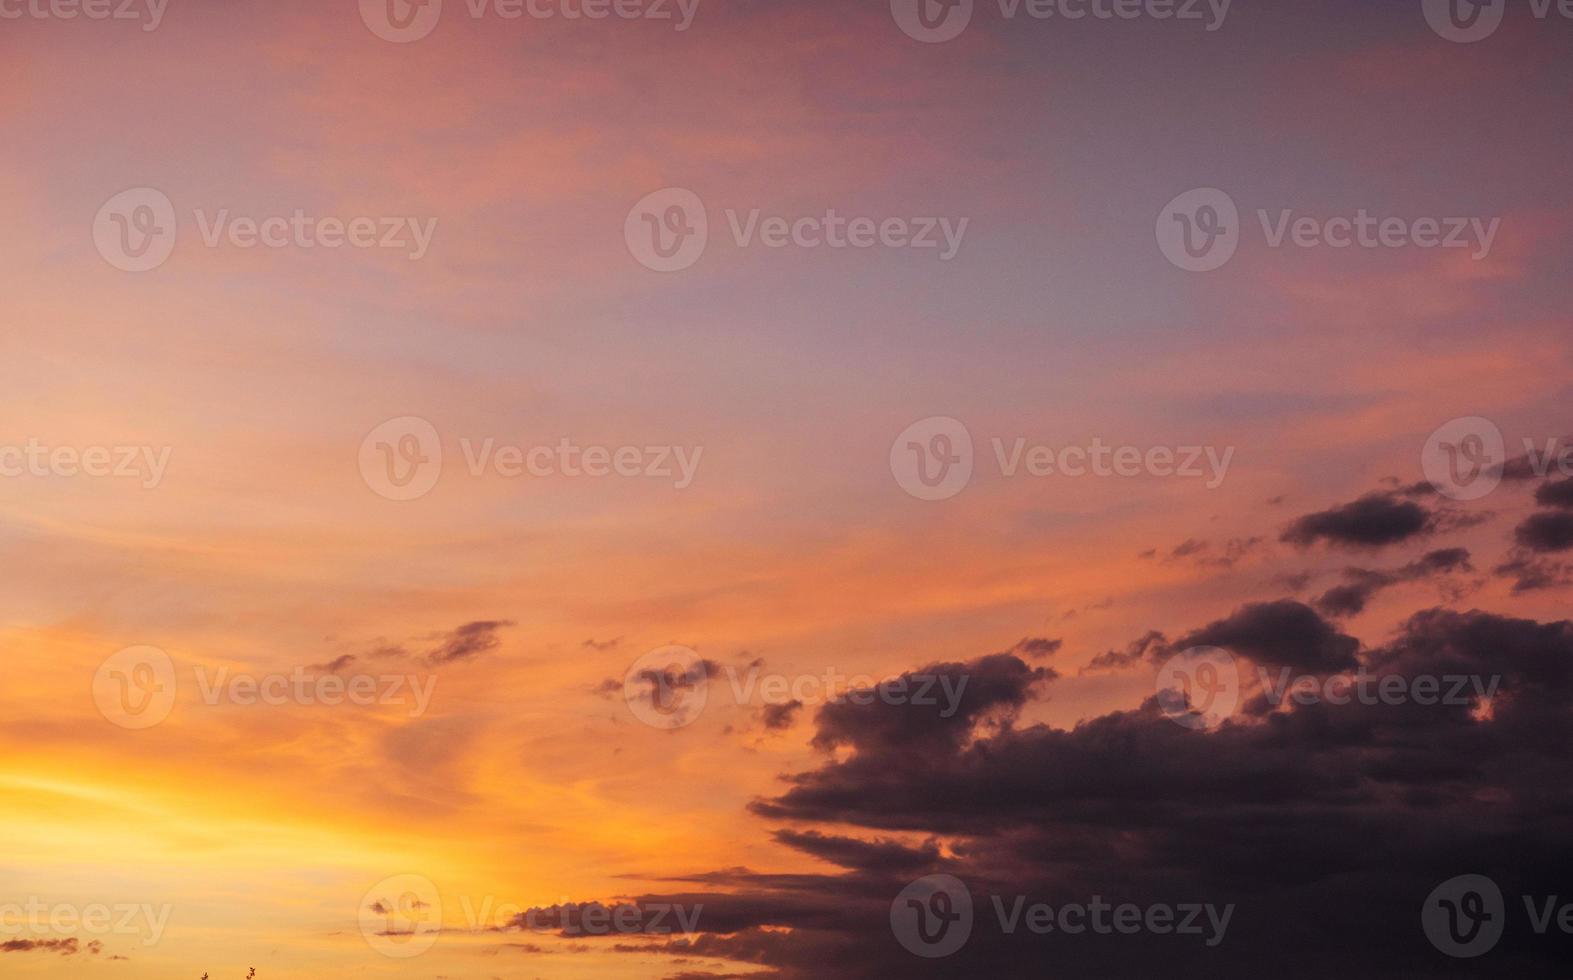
pixel 248 388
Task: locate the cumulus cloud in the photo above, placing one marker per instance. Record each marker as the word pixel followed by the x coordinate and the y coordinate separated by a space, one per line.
pixel 1375 520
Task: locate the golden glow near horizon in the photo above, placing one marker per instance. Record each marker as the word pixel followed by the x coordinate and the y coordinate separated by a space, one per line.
pixel 361 686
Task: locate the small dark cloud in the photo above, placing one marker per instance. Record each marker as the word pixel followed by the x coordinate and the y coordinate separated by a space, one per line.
pixel 1548 531
pixel 1285 633
pixel 1375 520
pixel 1531 574
pixel 779 716
pixel 1559 494
pixel 1293 581
pixel 465 642
pixel 1037 647
pixel 65 947
pixel 662 687
pixel 1149 646
pixel 335 665
pixel 862 855
pixel 1204 554
pixel 601 645
pixel 1361 584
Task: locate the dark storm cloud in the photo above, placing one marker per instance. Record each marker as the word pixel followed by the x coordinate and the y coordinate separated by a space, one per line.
pixel 1374 520
pixel 1546 532
pixel 1327 823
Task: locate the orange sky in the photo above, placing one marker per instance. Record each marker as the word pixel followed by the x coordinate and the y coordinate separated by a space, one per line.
pixel 262 549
